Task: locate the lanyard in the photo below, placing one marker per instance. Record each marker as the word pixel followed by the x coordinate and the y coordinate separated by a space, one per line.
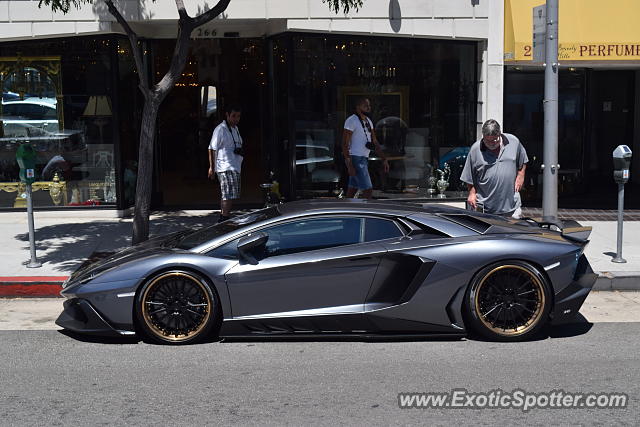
pixel 368 138
pixel 235 143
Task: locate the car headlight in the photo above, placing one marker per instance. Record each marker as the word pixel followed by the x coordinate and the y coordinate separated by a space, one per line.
pixel 82 279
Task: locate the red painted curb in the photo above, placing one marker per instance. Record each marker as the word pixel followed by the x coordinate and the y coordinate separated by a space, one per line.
pixel 31 286
pixel 31 279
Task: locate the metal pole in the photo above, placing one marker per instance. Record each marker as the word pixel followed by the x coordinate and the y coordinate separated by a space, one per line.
pixel 550 158
pixel 33 262
pixel 618 257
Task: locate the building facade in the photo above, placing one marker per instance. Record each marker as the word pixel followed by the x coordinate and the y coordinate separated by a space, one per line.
pixel 599 96
pixel 433 69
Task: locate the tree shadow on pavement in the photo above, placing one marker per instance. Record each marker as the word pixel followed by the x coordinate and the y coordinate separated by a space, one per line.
pixel 67 245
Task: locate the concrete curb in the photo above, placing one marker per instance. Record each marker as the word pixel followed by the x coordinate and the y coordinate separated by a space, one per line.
pixel 14 287
pixel 617 281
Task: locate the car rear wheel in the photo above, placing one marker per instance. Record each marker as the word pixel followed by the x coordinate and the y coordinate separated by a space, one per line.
pixel 508 301
pixel 177 307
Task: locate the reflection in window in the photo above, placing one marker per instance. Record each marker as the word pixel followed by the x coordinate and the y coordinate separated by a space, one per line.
pixel 423 97
pixel 313 234
pixel 226 251
pixel 380 229
pixel 524 117
pixel 207 234
pixel 209 97
pixel 71 133
pixel 316 234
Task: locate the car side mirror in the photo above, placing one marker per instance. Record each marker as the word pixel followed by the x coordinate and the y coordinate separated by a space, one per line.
pixel 250 242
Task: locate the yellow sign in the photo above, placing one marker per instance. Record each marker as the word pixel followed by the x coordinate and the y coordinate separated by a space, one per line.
pixel 589 30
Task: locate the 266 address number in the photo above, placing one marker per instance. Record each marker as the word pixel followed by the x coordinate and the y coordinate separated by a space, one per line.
pixel 204 33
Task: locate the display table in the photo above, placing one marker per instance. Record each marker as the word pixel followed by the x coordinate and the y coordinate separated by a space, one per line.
pixel 421 195
pixel 57 191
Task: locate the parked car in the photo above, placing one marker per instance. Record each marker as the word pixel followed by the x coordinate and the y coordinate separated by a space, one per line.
pixel 324 268
pixel 10 96
pixel 35 112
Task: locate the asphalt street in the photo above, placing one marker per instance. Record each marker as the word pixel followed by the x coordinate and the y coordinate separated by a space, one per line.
pixel 49 378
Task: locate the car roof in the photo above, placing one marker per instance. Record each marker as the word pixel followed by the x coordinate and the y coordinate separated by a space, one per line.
pixel 361 206
pixel 33 101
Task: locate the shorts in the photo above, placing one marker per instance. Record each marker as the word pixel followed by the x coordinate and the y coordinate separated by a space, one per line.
pixel 229 184
pixel 361 180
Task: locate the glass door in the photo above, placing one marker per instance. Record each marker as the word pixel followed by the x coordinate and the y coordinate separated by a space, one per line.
pixel 218 71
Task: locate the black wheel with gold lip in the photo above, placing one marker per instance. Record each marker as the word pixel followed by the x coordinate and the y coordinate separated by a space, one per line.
pixel 508 301
pixel 177 307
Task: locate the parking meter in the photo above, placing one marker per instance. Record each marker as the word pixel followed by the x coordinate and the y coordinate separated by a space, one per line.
pixel 621 162
pixel 26 157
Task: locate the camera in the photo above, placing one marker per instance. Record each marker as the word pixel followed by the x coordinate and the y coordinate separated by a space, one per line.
pixel 239 151
pixel 370 145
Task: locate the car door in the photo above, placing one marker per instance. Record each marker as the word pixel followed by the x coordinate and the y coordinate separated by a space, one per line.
pixel 310 267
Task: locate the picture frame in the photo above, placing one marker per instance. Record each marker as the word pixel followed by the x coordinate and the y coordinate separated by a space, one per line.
pixel 387 101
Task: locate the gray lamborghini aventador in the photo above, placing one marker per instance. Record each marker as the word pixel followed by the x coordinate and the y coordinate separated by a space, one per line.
pixel 338 267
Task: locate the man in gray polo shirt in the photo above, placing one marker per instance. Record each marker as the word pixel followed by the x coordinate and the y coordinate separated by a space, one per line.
pixel 494 171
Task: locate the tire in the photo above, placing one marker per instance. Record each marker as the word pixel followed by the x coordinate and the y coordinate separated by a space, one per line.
pixel 508 301
pixel 177 307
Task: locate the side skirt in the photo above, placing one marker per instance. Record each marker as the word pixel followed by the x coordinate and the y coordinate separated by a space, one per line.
pixel 344 337
pixel 355 324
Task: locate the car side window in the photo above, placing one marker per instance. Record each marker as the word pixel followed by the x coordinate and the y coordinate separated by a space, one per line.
pixel 312 234
pixel 9 110
pixel 49 113
pixel 34 112
pixel 380 229
pixel 23 111
pixel 227 251
pixel 301 236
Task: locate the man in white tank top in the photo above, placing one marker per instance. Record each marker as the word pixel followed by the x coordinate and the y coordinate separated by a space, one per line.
pixel 358 139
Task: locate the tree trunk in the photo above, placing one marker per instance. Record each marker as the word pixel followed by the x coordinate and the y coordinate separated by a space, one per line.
pixel 153 98
pixel 145 170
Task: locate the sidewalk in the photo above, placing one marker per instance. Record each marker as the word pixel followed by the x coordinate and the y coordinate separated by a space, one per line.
pixel 66 239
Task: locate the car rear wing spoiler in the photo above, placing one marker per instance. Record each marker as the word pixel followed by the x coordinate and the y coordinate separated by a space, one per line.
pixel 570 229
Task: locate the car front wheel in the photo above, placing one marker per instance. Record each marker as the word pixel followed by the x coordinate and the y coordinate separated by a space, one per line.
pixel 177 307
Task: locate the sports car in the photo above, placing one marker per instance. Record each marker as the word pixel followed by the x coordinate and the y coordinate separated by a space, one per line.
pixel 358 268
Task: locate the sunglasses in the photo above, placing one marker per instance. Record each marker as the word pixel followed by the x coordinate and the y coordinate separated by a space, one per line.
pixel 491 138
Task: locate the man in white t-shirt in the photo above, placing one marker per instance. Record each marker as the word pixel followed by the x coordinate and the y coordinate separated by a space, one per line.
pixel 358 139
pixel 225 159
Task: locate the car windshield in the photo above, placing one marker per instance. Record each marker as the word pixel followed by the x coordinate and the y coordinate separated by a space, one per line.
pixel 199 237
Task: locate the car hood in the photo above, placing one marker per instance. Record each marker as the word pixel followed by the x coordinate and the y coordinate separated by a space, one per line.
pixel 155 246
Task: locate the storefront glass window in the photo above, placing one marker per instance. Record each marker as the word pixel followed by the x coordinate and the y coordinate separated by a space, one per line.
pixel 218 73
pixel 56 96
pixel 129 107
pixel 524 117
pixel 423 97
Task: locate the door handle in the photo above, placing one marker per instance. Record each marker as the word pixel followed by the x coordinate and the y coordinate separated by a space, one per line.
pixel 361 258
